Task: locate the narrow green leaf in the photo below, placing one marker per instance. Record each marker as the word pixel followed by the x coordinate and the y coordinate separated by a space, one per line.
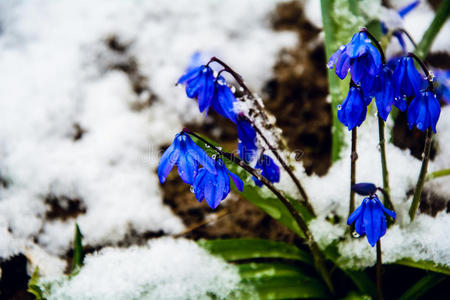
pixel 425 265
pixel 78 256
pixel 289 287
pixel 239 249
pixel 422 286
pixel 33 285
pixel 437 174
pixel 428 37
pixel 277 269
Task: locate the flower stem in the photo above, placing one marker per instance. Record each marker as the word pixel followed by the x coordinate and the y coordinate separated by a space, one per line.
pixel 422 176
pixel 425 70
pixel 378 271
pixel 319 260
pixel 434 28
pixel 294 178
pixel 403 31
pixel 387 195
pixel 353 158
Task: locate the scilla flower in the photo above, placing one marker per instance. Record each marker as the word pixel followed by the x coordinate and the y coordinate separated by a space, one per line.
pixel 223 100
pixel 359 56
pixel 187 156
pixel 352 112
pixel 407 81
pixel 424 111
pixel 199 84
pixel 247 146
pixel 268 169
pixel 370 220
pixel 214 187
pixel 383 91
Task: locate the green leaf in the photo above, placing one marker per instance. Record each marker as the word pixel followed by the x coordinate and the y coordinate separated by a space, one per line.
pixel 284 287
pixel 422 286
pixel 437 174
pixel 425 265
pixel 78 256
pixel 33 285
pixel 239 249
pixel 277 269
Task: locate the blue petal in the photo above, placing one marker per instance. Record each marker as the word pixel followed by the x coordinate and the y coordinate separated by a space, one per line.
pixel 223 102
pixel 359 223
pixel 434 109
pixel 415 80
pixel 214 190
pixel 375 63
pixel 199 155
pixel 405 10
pixel 192 73
pixel 370 223
pixel 237 181
pixel 389 212
pixel 187 167
pixel 247 140
pixel 199 184
pixel 342 65
pixel 355 215
pixel 206 92
pixel 167 161
pixel 334 57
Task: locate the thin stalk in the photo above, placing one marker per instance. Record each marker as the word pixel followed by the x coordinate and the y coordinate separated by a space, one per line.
pixel 434 28
pixel 403 31
pixel 378 271
pixel 422 176
pixel 317 255
pixel 437 174
pixel 425 70
pixel 353 158
pixel 286 167
pixel 387 196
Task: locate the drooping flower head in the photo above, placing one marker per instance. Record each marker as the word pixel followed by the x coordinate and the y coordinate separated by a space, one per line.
pixel 383 91
pixel 268 169
pixel 352 112
pixel 247 145
pixel 199 83
pixel 359 56
pixel 364 188
pixel 223 100
pixel 424 111
pixel 370 219
pixel 407 81
pixel 214 187
pixel 187 156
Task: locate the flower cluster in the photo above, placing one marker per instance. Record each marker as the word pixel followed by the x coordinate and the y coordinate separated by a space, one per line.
pixel 212 181
pixel 393 83
pixel 369 218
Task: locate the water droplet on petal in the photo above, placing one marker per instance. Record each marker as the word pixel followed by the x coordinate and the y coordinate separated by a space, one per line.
pixel 355 234
pixel 420 125
pixel 220 148
pixel 339 107
pixel 375 114
pixel 191 189
pixel 214 156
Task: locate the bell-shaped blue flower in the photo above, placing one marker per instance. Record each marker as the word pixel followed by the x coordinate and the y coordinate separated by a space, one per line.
pixel 364 188
pixel 370 220
pixel 359 56
pixel 200 83
pixel 352 112
pixel 268 169
pixel 383 91
pixel 407 81
pixel 214 187
pixel 187 156
pixel 247 145
pixel 424 111
pixel 223 100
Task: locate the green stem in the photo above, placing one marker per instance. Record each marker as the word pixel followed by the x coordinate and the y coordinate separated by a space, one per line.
pixel 378 271
pixel 337 129
pixel 432 31
pixel 437 174
pixel 319 260
pixel 387 195
pixel 422 175
pixel 353 158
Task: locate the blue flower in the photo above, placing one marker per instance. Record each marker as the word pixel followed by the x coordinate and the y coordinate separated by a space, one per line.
pixel 268 169
pixel 424 111
pixel 247 146
pixel 443 84
pixel 359 56
pixel 223 100
pixel 364 188
pixel 370 220
pixel 352 112
pixel 214 187
pixel 187 156
pixel 383 91
pixel 199 84
pixel 407 81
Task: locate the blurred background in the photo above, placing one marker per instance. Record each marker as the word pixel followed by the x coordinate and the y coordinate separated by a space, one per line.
pixel 88 101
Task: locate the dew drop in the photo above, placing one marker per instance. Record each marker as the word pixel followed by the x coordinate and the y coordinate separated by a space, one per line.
pixel 220 148
pixel 378 147
pixel 207 146
pixel 420 125
pixel 339 107
pixel 375 114
pixel 191 189
pixel 214 156
pixel 355 234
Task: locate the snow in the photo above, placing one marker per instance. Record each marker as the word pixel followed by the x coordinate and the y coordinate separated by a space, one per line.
pixel 164 269
pixel 56 72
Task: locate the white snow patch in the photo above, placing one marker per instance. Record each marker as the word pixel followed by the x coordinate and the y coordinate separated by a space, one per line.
pixel 165 269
